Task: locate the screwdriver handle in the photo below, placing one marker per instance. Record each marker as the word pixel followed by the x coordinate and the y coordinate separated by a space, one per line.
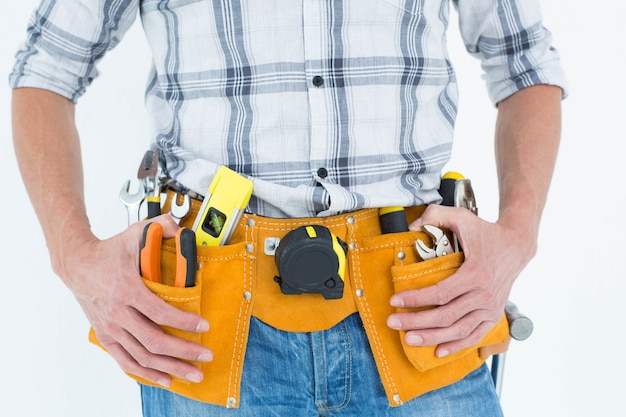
pixel 448 191
pixel 154 206
pixel 447 188
pixel 393 219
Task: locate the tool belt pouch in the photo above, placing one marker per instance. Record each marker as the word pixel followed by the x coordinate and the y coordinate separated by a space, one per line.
pixel 422 275
pixel 219 296
pixel 385 265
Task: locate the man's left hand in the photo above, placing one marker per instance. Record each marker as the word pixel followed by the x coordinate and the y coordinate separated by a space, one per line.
pixel 471 301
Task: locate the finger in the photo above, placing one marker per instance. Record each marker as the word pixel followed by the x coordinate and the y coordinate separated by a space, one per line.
pixel 136 359
pixel 437 294
pixel 449 348
pixel 434 215
pixel 163 363
pixel 439 317
pixel 155 341
pixel 146 330
pixel 169 225
pixel 461 334
pixel 458 220
pixel 435 318
pixel 118 342
pixel 438 215
pixel 162 313
pixel 130 366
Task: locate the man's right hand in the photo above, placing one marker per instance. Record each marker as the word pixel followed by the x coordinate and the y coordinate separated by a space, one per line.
pixel 103 274
pixel 125 315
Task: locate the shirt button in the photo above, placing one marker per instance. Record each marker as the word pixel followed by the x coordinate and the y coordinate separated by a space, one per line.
pixel 322 172
pixel 318 81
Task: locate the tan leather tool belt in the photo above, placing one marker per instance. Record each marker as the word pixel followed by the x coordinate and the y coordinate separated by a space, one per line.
pixel 236 281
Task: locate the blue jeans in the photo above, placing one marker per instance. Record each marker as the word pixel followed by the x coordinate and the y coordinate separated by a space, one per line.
pixel 330 373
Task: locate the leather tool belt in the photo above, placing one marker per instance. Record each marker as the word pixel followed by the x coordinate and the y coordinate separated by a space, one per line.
pixel 236 281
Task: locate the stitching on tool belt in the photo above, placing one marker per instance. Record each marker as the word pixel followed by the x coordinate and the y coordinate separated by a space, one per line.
pixel 269 226
pixel 234 368
pixel 171 248
pixel 425 272
pixel 385 246
pixel 371 325
pixel 180 299
pixel 245 307
pixel 225 258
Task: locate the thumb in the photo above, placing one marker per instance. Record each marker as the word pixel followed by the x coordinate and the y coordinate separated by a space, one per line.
pixel 165 220
pixel 436 215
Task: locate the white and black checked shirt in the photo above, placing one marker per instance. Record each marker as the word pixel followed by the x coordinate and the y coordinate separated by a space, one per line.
pixel 327 105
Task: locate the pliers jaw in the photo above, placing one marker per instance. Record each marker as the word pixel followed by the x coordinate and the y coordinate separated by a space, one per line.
pixel 441 244
pixel 153 178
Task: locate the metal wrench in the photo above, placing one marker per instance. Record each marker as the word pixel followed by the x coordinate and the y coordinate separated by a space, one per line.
pixel 132 201
pixel 178 211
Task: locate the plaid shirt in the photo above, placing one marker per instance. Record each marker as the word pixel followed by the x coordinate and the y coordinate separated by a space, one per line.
pixel 327 105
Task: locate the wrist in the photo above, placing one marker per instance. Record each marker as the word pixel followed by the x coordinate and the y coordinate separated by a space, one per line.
pixel 523 229
pixel 66 244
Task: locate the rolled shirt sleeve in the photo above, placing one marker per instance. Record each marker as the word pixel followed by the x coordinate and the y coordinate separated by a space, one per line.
pixel 65 41
pixel 514 47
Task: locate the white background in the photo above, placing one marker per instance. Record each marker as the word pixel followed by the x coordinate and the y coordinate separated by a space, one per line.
pixel 572 365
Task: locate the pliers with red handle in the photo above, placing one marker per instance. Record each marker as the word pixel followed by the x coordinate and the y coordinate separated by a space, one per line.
pixel 186 257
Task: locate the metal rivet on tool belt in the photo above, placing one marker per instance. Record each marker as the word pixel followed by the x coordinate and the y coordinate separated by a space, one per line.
pixel 231 402
pixel 249 247
pixel 359 292
pixel 351 220
pixel 270 245
pixel 401 255
pixel 396 398
pixel 250 222
pixel 247 295
pixel 352 245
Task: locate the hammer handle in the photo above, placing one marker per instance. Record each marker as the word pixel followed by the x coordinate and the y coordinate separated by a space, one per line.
pixel 520 326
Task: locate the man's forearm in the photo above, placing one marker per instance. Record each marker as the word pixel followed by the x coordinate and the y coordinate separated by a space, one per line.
pixel 528 132
pixel 48 153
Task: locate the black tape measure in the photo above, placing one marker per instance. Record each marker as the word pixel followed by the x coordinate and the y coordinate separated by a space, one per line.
pixel 310 259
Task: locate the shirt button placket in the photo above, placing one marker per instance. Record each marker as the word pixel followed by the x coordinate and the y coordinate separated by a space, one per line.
pixel 315 33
